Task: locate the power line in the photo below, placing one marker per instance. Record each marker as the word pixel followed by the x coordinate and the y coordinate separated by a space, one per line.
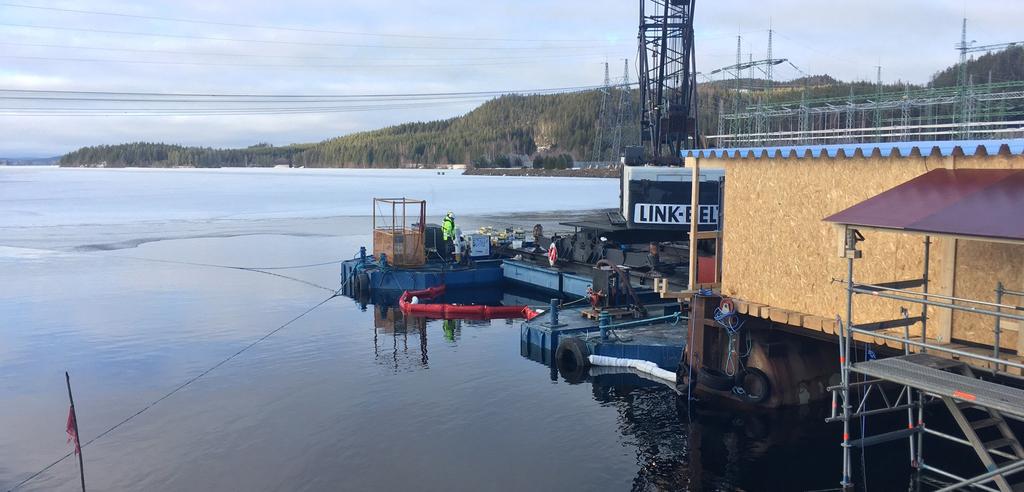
pixel 232 101
pixel 209 112
pixel 292 29
pixel 294 57
pixel 109 103
pixel 294 43
pixel 262 65
pixel 126 112
pixel 324 96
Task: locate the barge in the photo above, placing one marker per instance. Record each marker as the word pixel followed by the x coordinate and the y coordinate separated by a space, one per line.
pixel 409 254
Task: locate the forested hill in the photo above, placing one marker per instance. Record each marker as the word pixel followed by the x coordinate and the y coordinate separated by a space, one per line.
pixel 145 154
pixel 1003 66
pixel 508 125
pixel 512 125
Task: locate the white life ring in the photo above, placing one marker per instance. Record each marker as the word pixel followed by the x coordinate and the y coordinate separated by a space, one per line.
pixel 552 254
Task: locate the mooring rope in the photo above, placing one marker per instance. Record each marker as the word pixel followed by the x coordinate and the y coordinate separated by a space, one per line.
pixel 179 388
pixel 247 269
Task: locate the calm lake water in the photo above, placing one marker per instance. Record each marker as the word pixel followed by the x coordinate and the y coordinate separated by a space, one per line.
pixel 330 402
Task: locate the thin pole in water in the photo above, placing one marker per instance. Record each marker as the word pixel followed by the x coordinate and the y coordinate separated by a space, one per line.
pixel 81 466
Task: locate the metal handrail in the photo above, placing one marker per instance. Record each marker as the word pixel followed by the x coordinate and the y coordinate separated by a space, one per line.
pixel 947 305
pixel 985 477
pixel 859 289
pixel 965 442
pixel 940 348
pixel 954 477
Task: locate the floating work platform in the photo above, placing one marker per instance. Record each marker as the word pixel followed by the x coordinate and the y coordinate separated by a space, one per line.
pixel 549 280
pixel 562 283
pixel 364 276
pixel 659 339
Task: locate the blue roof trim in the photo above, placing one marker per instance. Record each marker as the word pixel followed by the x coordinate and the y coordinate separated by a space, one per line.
pixel 885 149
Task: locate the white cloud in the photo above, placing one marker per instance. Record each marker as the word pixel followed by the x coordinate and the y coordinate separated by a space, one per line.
pixel 910 39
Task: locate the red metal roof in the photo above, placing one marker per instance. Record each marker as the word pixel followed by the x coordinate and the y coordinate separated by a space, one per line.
pixel 982 203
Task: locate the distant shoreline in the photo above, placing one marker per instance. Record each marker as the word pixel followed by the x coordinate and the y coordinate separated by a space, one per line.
pixel 561 173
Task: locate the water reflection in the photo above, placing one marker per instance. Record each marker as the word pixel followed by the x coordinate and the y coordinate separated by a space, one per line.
pixel 391 323
pixel 688 445
pixel 392 328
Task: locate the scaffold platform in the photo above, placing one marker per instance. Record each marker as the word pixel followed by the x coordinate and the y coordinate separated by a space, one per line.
pixel 928 373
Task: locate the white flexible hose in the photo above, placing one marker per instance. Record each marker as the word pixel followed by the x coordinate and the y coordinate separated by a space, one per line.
pixel 607 371
pixel 644 366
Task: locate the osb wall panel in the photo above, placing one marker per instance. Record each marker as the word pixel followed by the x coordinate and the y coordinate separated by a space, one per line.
pixel 979 266
pixel 778 251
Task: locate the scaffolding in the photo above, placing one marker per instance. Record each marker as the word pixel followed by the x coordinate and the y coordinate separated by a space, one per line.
pixel 396 238
pixel 991 110
pixel 931 373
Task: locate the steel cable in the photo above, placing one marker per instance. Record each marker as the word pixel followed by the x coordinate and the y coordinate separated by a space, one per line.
pixel 175 390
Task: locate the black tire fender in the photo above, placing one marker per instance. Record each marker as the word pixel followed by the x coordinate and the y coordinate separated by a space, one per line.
pixel 571 354
pixel 755 384
pixel 362 286
pixel 715 379
pixel 572 359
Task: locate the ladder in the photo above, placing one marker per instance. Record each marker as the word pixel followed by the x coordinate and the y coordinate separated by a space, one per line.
pixel 977 406
pixel 1002 444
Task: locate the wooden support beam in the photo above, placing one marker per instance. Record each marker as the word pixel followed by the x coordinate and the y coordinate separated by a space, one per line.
pixel 946 285
pixel 778 315
pixel 830 326
pixel 754 309
pixel 812 322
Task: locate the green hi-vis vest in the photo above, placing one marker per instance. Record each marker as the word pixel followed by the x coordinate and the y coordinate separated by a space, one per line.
pixel 448 228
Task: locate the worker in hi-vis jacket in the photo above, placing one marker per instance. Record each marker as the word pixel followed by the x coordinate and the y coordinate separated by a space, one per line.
pixel 448 232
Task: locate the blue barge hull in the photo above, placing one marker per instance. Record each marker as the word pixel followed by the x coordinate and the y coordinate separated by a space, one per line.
pixel 661 343
pixel 483 273
pixel 550 280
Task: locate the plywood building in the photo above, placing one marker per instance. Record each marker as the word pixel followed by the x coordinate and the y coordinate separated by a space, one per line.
pixel 780 258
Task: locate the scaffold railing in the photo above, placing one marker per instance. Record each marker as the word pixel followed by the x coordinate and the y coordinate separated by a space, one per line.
pixel 930 373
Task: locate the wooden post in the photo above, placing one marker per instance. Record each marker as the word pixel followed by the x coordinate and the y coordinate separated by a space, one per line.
pixel 81 466
pixel 946 286
pixel 694 219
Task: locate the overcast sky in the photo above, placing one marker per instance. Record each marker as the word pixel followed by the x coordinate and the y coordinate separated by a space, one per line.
pixel 524 44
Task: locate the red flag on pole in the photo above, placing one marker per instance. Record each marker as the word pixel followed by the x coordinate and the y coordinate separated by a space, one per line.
pixel 72 430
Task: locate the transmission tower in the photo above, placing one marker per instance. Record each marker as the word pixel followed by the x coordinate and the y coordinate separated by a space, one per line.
pixel 805 116
pixel 878 110
pixel 737 126
pixel 905 112
pixel 849 113
pixel 768 67
pixel 964 102
pixel 668 83
pixel 624 111
pixel 961 80
pixel 602 117
pixel 760 122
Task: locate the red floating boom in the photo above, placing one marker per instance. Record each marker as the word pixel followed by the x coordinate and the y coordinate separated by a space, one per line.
pixel 457 311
